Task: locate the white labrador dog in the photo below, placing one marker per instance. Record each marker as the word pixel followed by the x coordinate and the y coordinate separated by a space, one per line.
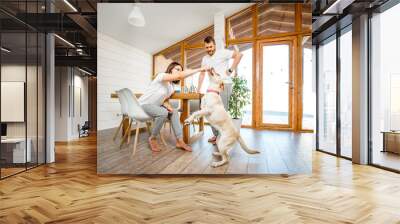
pixel 213 109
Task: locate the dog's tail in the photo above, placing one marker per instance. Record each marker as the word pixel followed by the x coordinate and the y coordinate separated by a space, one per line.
pixel 245 147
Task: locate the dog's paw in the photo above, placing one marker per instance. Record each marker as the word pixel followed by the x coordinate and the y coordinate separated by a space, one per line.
pixel 216 153
pixel 217 164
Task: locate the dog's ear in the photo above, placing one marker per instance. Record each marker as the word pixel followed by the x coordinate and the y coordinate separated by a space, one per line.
pixel 212 71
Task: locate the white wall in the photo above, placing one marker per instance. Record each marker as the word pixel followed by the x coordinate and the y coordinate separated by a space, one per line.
pixel 81 114
pixel 61 103
pixel 219 30
pixel 119 65
pixel 67 115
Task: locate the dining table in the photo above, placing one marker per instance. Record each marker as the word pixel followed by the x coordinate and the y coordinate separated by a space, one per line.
pixel 185 111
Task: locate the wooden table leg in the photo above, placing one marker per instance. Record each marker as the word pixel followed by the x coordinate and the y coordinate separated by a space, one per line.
pixel 201 124
pixel 184 115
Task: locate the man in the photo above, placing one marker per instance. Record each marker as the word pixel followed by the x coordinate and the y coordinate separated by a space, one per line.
pixel 219 60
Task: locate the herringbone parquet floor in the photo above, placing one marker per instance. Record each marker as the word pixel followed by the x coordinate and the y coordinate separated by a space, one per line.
pixel 70 191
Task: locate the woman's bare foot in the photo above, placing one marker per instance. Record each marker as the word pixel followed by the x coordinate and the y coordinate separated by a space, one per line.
pixel 182 145
pixel 153 145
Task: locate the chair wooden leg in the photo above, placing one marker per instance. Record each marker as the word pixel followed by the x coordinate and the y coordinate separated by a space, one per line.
pixel 127 132
pixel 136 139
pixel 119 128
pixel 130 133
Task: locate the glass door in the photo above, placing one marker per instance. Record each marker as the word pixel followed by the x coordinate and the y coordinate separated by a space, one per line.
pixel 276 84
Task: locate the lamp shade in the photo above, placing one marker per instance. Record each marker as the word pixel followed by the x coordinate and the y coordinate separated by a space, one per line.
pixel 136 17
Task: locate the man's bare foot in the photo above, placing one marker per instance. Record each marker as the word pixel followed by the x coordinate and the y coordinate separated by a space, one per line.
pixel 182 145
pixel 213 140
pixel 153 145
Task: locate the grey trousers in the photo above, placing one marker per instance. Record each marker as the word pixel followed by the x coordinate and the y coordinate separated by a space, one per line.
pixel 160 115
pixel 225 95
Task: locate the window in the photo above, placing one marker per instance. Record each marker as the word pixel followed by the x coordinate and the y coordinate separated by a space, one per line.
pixel 162 60
pixel 241 26
pixel 173 54
pixel 306 16
pixel 245 69
pixel 271 19
pixel 199 38
pixel 308 120
pixel 346 92
pixel 193 58
pixel 275 18
pixel 327 96
pixel 385 89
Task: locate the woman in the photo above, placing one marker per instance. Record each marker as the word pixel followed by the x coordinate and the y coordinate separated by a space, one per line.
pixel 152 101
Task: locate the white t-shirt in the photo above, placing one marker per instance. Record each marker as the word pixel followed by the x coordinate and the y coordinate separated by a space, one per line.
pixel 157 92
pixel 220 62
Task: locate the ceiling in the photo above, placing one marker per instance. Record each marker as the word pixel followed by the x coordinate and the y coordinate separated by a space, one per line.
pixel 78 28
pixel 331 16
pixel 166 23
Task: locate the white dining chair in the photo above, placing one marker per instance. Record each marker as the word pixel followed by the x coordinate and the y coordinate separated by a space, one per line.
pixel 124 114
pixel 136 113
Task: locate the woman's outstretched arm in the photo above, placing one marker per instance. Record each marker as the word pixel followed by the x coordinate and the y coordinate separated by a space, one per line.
pixel 183 74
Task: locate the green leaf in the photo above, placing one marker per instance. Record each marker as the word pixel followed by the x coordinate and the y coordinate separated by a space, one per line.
pixel 240 97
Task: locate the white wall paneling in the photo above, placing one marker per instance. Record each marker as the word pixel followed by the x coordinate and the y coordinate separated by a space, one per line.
pixel 119 65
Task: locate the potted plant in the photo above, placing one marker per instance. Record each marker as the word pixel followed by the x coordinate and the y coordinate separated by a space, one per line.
pixel 240 97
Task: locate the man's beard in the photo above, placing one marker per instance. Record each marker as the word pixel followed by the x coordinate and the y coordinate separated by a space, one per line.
pixel 210 52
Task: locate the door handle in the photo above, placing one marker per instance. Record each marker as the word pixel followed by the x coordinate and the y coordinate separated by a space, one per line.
pixel 290 84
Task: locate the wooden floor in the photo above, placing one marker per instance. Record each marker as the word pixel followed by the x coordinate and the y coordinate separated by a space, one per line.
pixel 387 159
pixel 281 153
pixel 70 191
pixel 10 171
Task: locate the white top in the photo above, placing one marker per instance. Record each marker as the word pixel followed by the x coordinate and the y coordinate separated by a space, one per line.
pixel 220 62
pixel 157 92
